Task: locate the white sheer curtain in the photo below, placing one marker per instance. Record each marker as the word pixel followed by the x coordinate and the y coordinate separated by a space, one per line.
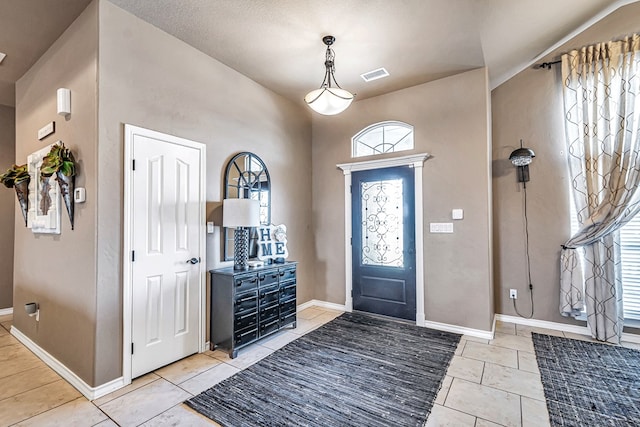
pixel 601 90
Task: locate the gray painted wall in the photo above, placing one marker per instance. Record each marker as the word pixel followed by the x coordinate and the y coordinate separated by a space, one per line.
pixel 8 205
pixel 529 107
pixel 188 94
pixel 450 117
pixel 59 271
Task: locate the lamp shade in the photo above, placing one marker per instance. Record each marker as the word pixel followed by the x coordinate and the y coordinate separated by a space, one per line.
pixel 240 213
pixel 329 100
pixel 522 156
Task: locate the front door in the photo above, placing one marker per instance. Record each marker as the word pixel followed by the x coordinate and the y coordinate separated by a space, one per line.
pixel 166 274
pixel 383 243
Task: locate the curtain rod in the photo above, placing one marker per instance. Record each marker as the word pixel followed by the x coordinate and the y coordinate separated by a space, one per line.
pixel 547 65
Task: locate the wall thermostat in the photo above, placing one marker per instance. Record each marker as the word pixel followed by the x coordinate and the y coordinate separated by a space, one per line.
pixel 79 195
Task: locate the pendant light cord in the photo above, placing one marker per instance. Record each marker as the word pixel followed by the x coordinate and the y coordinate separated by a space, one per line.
pixel 526 235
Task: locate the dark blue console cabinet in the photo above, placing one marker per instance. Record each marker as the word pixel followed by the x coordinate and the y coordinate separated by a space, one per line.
pixel 251 304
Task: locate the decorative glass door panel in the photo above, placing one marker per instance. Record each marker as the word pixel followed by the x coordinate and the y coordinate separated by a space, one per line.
pixel 383 242
pixel 382 223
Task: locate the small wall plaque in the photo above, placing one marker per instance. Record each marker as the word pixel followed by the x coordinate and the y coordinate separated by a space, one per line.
pixel 46 130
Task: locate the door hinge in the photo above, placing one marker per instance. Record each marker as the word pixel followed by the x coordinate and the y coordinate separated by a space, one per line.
pixel 351 189
pixel 351 241
pixel 131 348
pixel 133 164
pixel 133 256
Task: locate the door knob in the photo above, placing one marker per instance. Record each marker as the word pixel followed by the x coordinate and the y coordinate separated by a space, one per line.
pixel 194 260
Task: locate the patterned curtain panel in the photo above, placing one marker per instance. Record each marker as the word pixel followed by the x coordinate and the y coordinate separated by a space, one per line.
pixel 601 89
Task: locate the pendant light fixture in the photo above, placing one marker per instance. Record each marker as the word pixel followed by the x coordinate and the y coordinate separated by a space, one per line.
pixel 329 100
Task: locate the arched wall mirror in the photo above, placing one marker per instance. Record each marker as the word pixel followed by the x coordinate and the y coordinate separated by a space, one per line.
pixel 247 177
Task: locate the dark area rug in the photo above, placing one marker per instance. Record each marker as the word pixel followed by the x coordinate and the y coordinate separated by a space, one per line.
pixel 357 370
pixel 589 384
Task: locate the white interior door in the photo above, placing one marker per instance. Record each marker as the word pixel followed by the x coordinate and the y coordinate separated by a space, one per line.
pixel 166 274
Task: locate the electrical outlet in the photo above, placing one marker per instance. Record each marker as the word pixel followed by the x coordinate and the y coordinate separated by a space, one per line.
pixel 513 293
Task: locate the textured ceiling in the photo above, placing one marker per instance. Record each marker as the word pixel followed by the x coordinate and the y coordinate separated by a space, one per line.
pixel 278 42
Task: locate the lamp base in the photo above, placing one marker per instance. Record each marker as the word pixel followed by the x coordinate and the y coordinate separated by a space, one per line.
pixel 241 248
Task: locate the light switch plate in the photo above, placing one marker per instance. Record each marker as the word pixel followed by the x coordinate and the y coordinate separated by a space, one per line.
pixel 441 227
pixel 79 195
pixel 210 227
pixel 457 214
pixel 46 130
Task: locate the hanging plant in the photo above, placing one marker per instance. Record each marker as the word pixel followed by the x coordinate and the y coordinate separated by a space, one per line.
pixel 18 177
pixel 61 163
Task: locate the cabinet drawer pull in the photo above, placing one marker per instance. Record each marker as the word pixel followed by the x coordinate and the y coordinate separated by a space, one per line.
pixel 287 301
pixel 289 287
pixel 242 282
pixel 263 294
pixel 245 316
pixel 246 298
pixel 266 325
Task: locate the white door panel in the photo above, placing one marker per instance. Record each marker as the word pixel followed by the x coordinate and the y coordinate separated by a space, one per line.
pixel 166 222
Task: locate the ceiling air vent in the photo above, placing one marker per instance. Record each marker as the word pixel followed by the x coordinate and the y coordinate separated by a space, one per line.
pixel 2 55
pixel 374 75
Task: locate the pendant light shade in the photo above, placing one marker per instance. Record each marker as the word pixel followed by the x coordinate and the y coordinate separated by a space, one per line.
pixel 329 100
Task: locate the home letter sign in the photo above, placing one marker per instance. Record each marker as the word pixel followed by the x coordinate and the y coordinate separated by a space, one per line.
pixel 272 242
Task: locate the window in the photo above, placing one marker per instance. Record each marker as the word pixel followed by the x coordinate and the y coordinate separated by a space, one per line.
pixel 383 137
pixel 630 251
pixel 630 259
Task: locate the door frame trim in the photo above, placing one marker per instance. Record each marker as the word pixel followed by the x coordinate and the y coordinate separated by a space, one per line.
pixel 416 161
pixel 127 266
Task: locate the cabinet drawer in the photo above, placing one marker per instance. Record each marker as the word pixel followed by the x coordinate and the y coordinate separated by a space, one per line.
pixel 245 320
pixel 287 307
pixel 268 327
pixel 287 290
pixel 268 295
pixel 269 313
pixel 245 282
pixel 267 278
pixel 246 302
pixel 287 274
pixel 286 320
pixel 245 337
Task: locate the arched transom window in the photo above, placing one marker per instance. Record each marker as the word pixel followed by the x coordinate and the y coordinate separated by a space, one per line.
pixel 383 137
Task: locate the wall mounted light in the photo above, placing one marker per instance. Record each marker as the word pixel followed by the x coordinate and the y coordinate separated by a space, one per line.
pixel 521 158
pixel 64 101
pixel 329 100
pixel 240 214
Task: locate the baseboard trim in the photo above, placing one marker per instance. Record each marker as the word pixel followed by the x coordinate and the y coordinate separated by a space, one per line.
pixel 479 333
pixel 89 392
pixel 563 327
pixel 6 311
pixel 322 304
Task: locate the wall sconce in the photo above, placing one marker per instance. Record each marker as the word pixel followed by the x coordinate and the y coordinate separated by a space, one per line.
pixel 521 158
pixel 64 101
pixel 240 214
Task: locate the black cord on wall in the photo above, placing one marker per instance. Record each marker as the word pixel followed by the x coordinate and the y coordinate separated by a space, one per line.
pixel 526 235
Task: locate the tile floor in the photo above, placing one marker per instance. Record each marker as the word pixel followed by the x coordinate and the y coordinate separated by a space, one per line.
pixel 489 383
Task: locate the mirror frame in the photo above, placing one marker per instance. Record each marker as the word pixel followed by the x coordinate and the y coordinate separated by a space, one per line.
pixel 252 184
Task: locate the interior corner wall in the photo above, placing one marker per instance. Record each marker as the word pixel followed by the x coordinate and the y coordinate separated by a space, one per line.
pixel 529 107
pixel 8 204
pixel 58 271
pixel 150 79
pixel 450 119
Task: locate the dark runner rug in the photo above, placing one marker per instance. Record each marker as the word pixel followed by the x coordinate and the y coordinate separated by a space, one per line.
pixel 357 370
pixel 587 383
